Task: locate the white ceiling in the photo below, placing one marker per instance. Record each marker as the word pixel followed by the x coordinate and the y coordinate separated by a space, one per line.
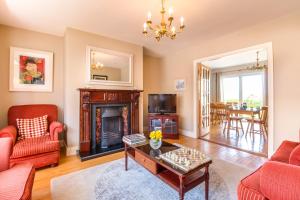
pixel 123 19
pixel 243 58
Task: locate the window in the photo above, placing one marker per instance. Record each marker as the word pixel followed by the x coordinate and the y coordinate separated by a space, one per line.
pixel 230 89
pixel 252 90
pixel 247 88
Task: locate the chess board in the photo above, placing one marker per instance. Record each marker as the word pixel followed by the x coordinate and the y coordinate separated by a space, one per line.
pixel 185 158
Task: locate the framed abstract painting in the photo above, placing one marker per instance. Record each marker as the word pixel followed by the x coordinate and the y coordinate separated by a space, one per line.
pixel 30 70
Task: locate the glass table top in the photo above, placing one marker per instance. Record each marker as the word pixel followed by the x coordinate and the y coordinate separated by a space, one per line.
pixel 165 147
pixel 155 154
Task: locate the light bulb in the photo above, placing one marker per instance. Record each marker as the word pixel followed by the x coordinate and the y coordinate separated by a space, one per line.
pixel 171 11
pixel 149 16
pixel 181 21
pixel 145 26
pixel 173 30
pixel 97 65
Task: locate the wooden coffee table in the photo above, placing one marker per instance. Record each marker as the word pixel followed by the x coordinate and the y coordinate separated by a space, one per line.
pixel 179 180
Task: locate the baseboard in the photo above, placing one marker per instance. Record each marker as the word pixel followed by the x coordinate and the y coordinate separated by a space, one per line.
pixel 72 150
pixel 187 133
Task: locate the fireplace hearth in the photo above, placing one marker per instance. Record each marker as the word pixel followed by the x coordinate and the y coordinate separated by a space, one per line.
pixel 105 117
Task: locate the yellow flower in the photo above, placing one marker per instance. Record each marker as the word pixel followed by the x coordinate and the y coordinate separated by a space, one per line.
pixel 152 135
pixel 156 135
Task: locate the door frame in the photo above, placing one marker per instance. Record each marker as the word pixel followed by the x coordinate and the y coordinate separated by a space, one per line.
pixel 269 47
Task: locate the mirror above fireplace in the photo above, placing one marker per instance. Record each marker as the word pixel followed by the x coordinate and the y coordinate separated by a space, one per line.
pixel 107 67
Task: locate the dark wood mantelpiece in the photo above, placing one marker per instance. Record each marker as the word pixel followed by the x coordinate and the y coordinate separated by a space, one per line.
pixel 89 96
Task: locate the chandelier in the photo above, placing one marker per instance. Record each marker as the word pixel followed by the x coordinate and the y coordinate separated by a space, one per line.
pixel 96 65
pixel 257 66
pixel 166 28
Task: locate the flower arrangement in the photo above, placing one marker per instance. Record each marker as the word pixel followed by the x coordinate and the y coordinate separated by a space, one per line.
pixel 156 135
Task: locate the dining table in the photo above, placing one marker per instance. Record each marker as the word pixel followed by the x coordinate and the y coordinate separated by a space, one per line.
pixel 240 110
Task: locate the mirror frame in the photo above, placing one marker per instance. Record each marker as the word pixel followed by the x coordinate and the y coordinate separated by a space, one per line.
pixel 105 82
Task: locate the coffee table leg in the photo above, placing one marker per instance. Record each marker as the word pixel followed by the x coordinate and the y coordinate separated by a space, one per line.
pixel 206 183
pixel 181 194
pixel 126 157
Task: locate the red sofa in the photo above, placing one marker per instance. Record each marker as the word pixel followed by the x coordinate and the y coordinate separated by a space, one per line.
pixel 40 151
pixel 277 179
pixel 15 182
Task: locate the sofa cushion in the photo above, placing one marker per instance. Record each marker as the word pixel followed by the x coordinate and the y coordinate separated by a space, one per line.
pixel 284 151
pixel 16 182
pixel 295 156
pixel 33 146
pixel 32 127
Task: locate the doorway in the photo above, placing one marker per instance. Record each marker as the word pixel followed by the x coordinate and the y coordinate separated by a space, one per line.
pixel 234 99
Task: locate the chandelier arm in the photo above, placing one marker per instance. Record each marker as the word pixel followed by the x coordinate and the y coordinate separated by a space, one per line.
pixel 170 22
pixel 150 27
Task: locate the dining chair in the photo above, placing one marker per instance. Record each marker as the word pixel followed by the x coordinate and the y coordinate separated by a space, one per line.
pixel 213 113
pixel 233 122
pixel 220 113
pixel 262 123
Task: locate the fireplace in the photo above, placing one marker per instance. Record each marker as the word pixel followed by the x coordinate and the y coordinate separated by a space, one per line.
pixel 110 122
pixel 105 117
pixel 112 127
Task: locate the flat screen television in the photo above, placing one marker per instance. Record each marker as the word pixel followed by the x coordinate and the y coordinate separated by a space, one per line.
pixel 162 103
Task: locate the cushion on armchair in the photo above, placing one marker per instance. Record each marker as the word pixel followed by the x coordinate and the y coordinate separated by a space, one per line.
pixel 280 181
pixel 34 146
pixel 295 156
pixel 284 151
pixel 32 127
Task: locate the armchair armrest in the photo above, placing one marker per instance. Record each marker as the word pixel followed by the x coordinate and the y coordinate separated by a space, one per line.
pixel 55 129
pixel 6 145
pixel 280 181
pixel 9 131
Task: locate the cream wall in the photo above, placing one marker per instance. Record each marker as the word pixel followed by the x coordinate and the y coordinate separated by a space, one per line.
pixel 284 33
pixel 152 79
pixel 10 36
pixel 75 75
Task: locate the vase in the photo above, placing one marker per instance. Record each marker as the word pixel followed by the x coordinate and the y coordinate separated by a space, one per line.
pixel 155 144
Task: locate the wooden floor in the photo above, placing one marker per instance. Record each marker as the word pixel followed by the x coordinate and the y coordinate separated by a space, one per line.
pixel 258 145
pixel 41 187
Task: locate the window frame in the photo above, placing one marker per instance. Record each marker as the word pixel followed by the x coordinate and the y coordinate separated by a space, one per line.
pixel 240 77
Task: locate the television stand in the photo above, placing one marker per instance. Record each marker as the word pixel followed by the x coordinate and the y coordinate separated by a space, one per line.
pixel 167 123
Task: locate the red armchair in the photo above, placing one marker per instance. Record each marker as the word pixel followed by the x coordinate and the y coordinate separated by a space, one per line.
pixel 15 182
pixel 40 151
pixel 277 179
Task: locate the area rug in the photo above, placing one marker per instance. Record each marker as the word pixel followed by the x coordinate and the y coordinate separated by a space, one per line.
pixel 110 181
